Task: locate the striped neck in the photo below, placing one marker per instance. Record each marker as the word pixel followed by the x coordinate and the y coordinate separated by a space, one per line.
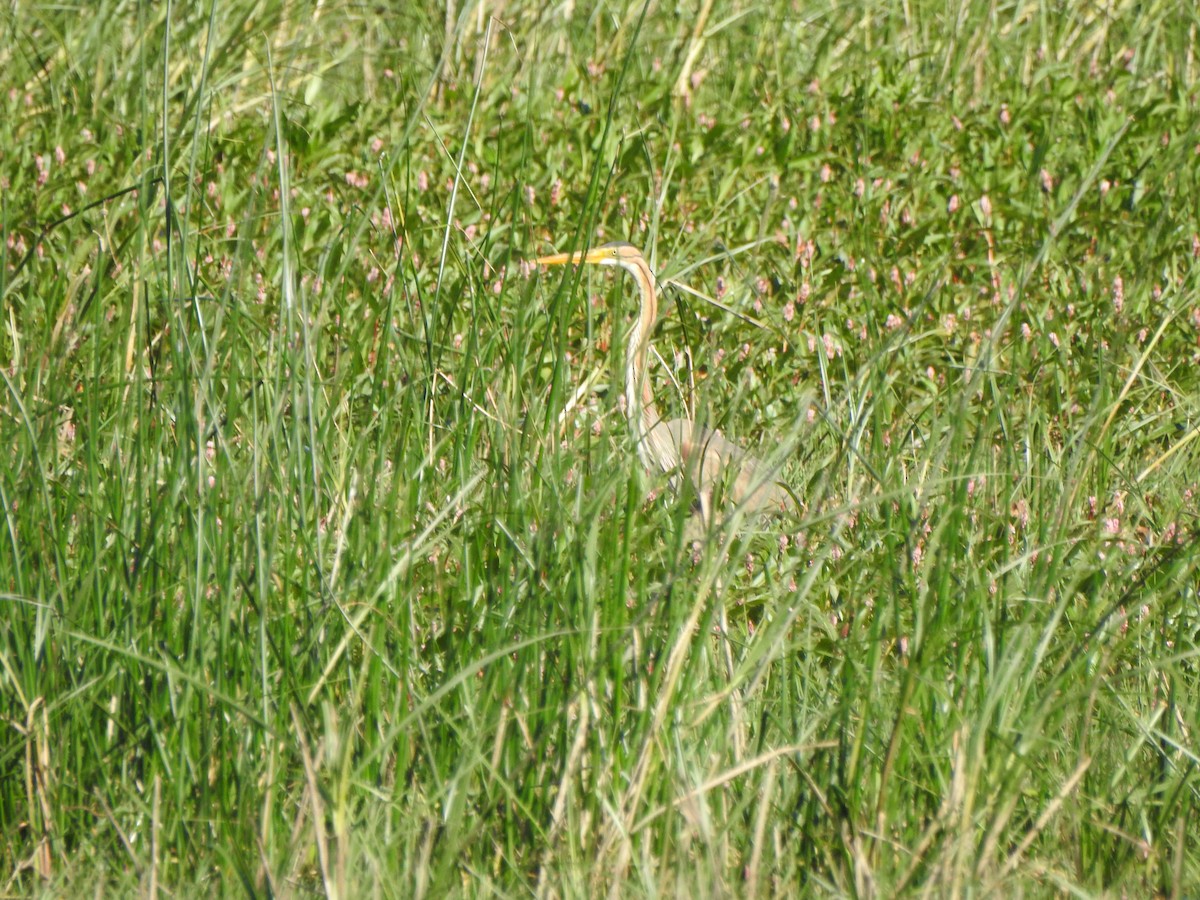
pixel 639 403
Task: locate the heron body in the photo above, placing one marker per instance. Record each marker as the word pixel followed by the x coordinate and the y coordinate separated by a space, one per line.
pixel 716 467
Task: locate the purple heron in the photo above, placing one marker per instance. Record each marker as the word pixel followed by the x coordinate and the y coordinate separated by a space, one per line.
pixel 705 456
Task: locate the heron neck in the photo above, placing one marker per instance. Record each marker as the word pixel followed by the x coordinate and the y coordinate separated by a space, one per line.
pixel 639 402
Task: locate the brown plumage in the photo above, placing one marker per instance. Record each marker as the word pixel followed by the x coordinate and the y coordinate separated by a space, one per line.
pixel 716 467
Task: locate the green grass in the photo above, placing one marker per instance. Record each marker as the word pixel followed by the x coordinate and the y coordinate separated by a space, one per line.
pixel 327 565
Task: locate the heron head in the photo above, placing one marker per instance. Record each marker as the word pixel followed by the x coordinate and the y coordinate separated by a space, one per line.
pixel 618 253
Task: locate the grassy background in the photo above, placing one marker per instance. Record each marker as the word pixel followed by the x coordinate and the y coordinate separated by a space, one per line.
pixel 326 561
